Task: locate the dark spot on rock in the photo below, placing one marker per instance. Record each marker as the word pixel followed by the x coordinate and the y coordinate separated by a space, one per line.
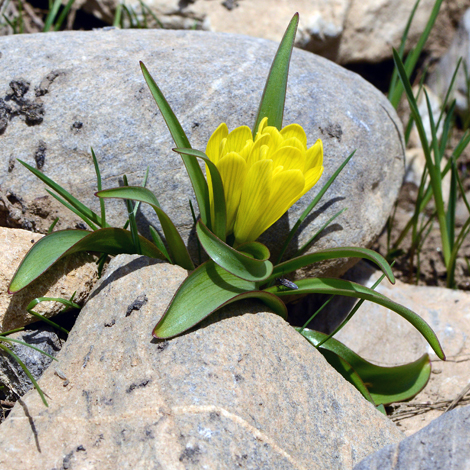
pixel 5 115
pixel 230 4
pixel 211 375
pixel 14 199
pixel 190 455
pixel 76 126
pixel 142 384
pixel 195 124
pixel 40 155
pixel 80 449
pixel 137 304
pixel 11 162
pixel 80 226
pixel 32 241
pixel 46 82
pixel 149 434
pixel 163 345
pixel 110 324
pixel 33 113
pixel 87 357
pixel 239 378
pixel 214 415
pixel 98 441
pixel 19 87
pixel 375 185
pixel 66 462
pixel 332 130
pixel 108 401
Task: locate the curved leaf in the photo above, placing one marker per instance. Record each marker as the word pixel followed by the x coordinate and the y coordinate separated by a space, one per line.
pixel 274 94
pixel 351 289
pixel 255 249
pixel 207 289
pixel 45 252
pixel 219 223
pixel 333 253
pixel 178 251
pixel 192 167
pixel 233 261
pixel 385 384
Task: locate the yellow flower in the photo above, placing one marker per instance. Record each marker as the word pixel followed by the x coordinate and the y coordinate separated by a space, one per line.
pixel 263 177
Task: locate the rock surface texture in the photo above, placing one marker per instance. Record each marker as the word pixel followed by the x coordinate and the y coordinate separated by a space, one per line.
pixel 342 30
pixel 384 338
pixel 443 444
pixel 77 273
pixel 65 92
pixel 244 392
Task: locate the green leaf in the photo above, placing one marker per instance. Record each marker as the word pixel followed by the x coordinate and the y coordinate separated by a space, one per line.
pixel 231 260
pixel 45 252
pixel 177 248
pixel 194 171
pixel 274 94
pixel 157 239
pixel 74 202
pixel 207 289
pixel 219 223
pixel 333 253
pixel 385 384
pixel 351 289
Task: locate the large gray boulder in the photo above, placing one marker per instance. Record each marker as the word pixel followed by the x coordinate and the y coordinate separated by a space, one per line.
pixel 66 92
pixel 246 391
pixel 443 444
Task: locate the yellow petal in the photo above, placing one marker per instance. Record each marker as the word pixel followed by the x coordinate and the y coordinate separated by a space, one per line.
pixel 290 158
pixel 311 178
pixel 262 125
pixel 254 199
pixel 314 155
pixel 275 140
pixel 294 130
pixel 286 189
pixel 255 152
pixel 232 169
pixel 294 142
pixel 237 139
pixel 213 146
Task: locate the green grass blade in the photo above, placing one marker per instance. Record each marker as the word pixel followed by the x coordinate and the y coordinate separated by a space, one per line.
pixel 319 231
pixel 99 185
pixel 311 206
pixel 63 15
pixel 118 16
pixel 48 250
pixel 194 171
pixel 159 243
pixel 233 261
pixel 351 289
pixel 219 223
pixel 51 15
pixel 66 195
pixel 413 56
pixel 274 94
pixel 51 227
pixel 332 253
pixel 18 341
pixel 401 50
pixel 178 251
pixel 26 371
pixel 207 289
pixel 452 204
pixel 385 384
pixel 132 222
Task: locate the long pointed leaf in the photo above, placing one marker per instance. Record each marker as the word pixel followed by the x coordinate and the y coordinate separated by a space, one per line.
pixel 333 253
pixel 178 250
pixel 219 223
pixel 385 384
pixel 48 250
pixel 351 289
pixel 194 171
pixel 274 95
pixel 235 262
pixel 207 289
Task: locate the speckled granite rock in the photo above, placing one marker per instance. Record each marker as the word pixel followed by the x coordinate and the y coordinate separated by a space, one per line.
pixel 443 444
pixel 77 273
pixel 65 92
pixel 246 391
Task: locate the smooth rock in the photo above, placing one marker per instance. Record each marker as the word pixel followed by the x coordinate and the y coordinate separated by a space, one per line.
pixel 75 273
pixel 385 338
pixel 12 376
pixel 243 390
pixel 443 444
pixel 90 92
